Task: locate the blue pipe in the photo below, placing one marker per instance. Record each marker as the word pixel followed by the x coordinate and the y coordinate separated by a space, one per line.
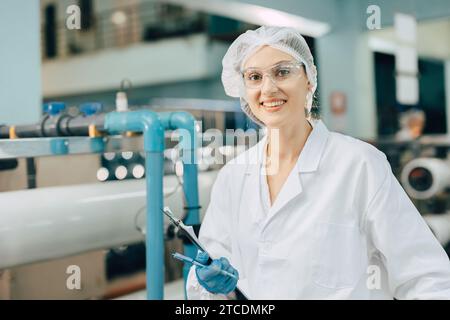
pixel 185 122
pixel 153 125
pixel 149 124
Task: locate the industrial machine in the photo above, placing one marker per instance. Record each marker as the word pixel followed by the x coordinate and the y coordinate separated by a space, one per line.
pixel 43 224
pixel 423 167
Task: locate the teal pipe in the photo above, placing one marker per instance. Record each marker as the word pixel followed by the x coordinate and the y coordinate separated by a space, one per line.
pixel 149 124
pixel 188 144
pixel 152 125
pixel 154 166
pixel 145 121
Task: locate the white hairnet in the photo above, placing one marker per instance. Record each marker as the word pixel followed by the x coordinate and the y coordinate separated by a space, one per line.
pixel 288 40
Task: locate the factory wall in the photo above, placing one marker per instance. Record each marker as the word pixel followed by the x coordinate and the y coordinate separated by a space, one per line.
pixel 349 69
pixel 165 61
pixel 20 61
pixel 422 10
pixel 208 88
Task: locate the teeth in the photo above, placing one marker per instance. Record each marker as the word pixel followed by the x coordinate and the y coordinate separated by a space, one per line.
pixel 273 104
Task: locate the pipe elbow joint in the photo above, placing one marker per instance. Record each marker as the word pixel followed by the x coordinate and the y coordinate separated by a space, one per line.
pixel 186 123
pixel 182 120
pixel 148 120
pixel 144 121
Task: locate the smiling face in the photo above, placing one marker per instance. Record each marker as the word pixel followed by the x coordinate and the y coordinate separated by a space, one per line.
pixel 277 105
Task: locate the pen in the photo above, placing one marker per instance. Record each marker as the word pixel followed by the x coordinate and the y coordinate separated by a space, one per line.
pixel 184 258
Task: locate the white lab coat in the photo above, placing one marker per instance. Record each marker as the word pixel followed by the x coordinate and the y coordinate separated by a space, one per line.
pixel 341 227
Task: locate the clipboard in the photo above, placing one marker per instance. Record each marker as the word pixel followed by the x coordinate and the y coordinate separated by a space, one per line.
pixel 188 231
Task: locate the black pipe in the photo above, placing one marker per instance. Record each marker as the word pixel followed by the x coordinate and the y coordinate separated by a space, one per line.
pixel 8 164
pixel 31 173
pixel 4 131
pixel 79 126
pixel 57 126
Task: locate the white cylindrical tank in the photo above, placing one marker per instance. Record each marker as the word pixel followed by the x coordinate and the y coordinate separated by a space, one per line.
pixel 47 223
pixel 423 178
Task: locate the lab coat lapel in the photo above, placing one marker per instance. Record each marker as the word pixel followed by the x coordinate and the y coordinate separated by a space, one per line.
pixel 291 189
pixel 308 161
pixel 252 180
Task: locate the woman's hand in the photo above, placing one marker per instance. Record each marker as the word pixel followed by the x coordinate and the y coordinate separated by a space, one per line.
pixel 212 277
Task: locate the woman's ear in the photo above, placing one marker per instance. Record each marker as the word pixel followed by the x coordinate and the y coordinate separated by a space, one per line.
pixel 309 88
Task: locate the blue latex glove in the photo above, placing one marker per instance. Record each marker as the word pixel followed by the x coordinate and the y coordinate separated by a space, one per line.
pixel 211 278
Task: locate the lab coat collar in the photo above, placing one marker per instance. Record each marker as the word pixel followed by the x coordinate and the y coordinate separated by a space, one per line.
pixel 310 156
pixel 314 147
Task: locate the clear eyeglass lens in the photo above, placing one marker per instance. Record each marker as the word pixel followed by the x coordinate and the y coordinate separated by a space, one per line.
pixel 253 78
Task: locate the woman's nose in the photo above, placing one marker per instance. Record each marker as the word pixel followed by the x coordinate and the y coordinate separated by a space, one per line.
pixel 268 85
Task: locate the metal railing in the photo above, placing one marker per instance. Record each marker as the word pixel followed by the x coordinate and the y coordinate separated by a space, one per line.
pixel 122 26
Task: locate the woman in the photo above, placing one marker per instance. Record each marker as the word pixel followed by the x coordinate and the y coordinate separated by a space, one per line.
pixel 307 213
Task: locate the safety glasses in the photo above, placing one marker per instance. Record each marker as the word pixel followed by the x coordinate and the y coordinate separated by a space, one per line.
pixel 279 73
